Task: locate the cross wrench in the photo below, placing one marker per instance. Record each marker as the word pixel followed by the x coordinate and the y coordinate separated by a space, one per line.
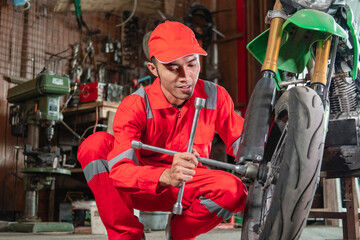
pixel 240 169
pixel 199 104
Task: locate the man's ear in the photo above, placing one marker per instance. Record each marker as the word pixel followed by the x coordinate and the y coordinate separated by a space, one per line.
pixel 152 68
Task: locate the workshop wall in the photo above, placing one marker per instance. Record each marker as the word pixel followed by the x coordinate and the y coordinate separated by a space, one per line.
pixel 29 41
pixel 255 24
pixel 40 37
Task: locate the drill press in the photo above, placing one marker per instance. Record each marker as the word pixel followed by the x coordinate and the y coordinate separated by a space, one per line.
pixel 34 114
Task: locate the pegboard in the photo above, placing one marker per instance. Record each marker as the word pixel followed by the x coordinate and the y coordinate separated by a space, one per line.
pixel 39 37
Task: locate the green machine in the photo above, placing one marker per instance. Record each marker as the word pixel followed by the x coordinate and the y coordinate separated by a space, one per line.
pixel 33 115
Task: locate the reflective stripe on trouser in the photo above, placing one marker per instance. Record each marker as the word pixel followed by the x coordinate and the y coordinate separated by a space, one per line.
pixel 115 207
pixel 210 197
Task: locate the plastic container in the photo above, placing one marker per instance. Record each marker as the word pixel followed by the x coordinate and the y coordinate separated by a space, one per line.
pixel 97 226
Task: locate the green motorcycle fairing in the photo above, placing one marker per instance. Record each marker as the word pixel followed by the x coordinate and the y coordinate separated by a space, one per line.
pixel 299 32
pixel 355 40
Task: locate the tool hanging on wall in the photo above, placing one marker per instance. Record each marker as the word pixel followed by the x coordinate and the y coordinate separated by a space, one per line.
pixel 90 52
pixel 200 20
pixel 107 45
pixel 117 52
pixel 137 82
pixel 78 14
pixel 79 72
pixel 110 46
pixel 80 20
pixel 73 75
pixel 129 40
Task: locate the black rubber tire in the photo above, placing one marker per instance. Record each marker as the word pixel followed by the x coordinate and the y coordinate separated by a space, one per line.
pixel 300 164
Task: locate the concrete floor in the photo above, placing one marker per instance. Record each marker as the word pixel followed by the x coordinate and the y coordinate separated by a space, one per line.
pixel 317 232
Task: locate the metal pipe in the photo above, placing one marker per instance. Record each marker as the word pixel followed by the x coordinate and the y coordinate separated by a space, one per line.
pixel 31 205
pixel 287 83
pixel 69 128
pixel 237 168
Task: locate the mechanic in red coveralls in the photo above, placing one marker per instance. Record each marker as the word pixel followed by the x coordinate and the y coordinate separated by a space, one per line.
pixel 161 115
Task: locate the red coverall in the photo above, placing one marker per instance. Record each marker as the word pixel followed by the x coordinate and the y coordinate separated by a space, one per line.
pixel 130 177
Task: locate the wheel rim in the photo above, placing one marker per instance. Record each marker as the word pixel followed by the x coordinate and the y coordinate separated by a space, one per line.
pixel 271 180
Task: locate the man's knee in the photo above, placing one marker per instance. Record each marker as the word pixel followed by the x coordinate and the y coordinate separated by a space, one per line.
pixel 234 193
pixel 96 146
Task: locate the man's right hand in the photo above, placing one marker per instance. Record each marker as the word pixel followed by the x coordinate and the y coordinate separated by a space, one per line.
pixel 182 169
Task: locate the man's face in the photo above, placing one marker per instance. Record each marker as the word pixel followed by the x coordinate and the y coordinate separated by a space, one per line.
pixel 177 78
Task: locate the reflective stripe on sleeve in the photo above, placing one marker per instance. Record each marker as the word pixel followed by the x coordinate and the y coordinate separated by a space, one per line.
pixel 94 168
pixel 211 91
pixel 213 207
pixel 130 154
pixel 141 92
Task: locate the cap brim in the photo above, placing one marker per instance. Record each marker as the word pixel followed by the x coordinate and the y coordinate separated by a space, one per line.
pixel 168 57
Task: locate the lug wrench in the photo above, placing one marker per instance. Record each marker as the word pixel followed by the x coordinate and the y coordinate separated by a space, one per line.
pixel 199 104
pixel 240 169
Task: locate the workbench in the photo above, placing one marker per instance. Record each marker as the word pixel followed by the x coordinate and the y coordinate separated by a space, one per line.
pixel 81 120
pixel 91 112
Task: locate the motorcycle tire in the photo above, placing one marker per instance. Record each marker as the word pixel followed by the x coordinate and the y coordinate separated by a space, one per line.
pixel 280 209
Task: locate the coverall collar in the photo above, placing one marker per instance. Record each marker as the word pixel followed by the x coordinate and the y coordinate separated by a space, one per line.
pixel 159 101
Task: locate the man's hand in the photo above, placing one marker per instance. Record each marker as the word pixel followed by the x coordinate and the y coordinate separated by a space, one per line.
pixel 182 169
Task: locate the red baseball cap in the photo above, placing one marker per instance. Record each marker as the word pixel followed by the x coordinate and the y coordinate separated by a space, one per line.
pixel 172 40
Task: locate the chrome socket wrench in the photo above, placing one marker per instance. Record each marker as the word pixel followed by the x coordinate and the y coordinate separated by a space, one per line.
pixel 199 104
pixel 240 169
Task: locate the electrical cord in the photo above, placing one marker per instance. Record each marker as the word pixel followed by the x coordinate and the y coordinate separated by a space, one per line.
pixel 93 126
pixel 27 2
pixel 131 15
pixel 97 118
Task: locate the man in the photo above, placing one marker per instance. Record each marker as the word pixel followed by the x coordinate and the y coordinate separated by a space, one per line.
pixel 161 115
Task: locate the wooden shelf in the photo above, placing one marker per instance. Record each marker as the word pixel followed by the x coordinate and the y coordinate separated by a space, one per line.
pixel 104 107
pixel 91 105
pixel 76 170
pixel 85 113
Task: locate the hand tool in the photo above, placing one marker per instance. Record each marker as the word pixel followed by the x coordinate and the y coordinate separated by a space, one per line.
pixel 199 104
pixel 80 20
pixel 240 169
pixel 78 13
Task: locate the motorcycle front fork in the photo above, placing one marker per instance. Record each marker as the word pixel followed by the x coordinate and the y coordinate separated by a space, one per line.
pixel 319 79
pixel 321 82
pixel 253 136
